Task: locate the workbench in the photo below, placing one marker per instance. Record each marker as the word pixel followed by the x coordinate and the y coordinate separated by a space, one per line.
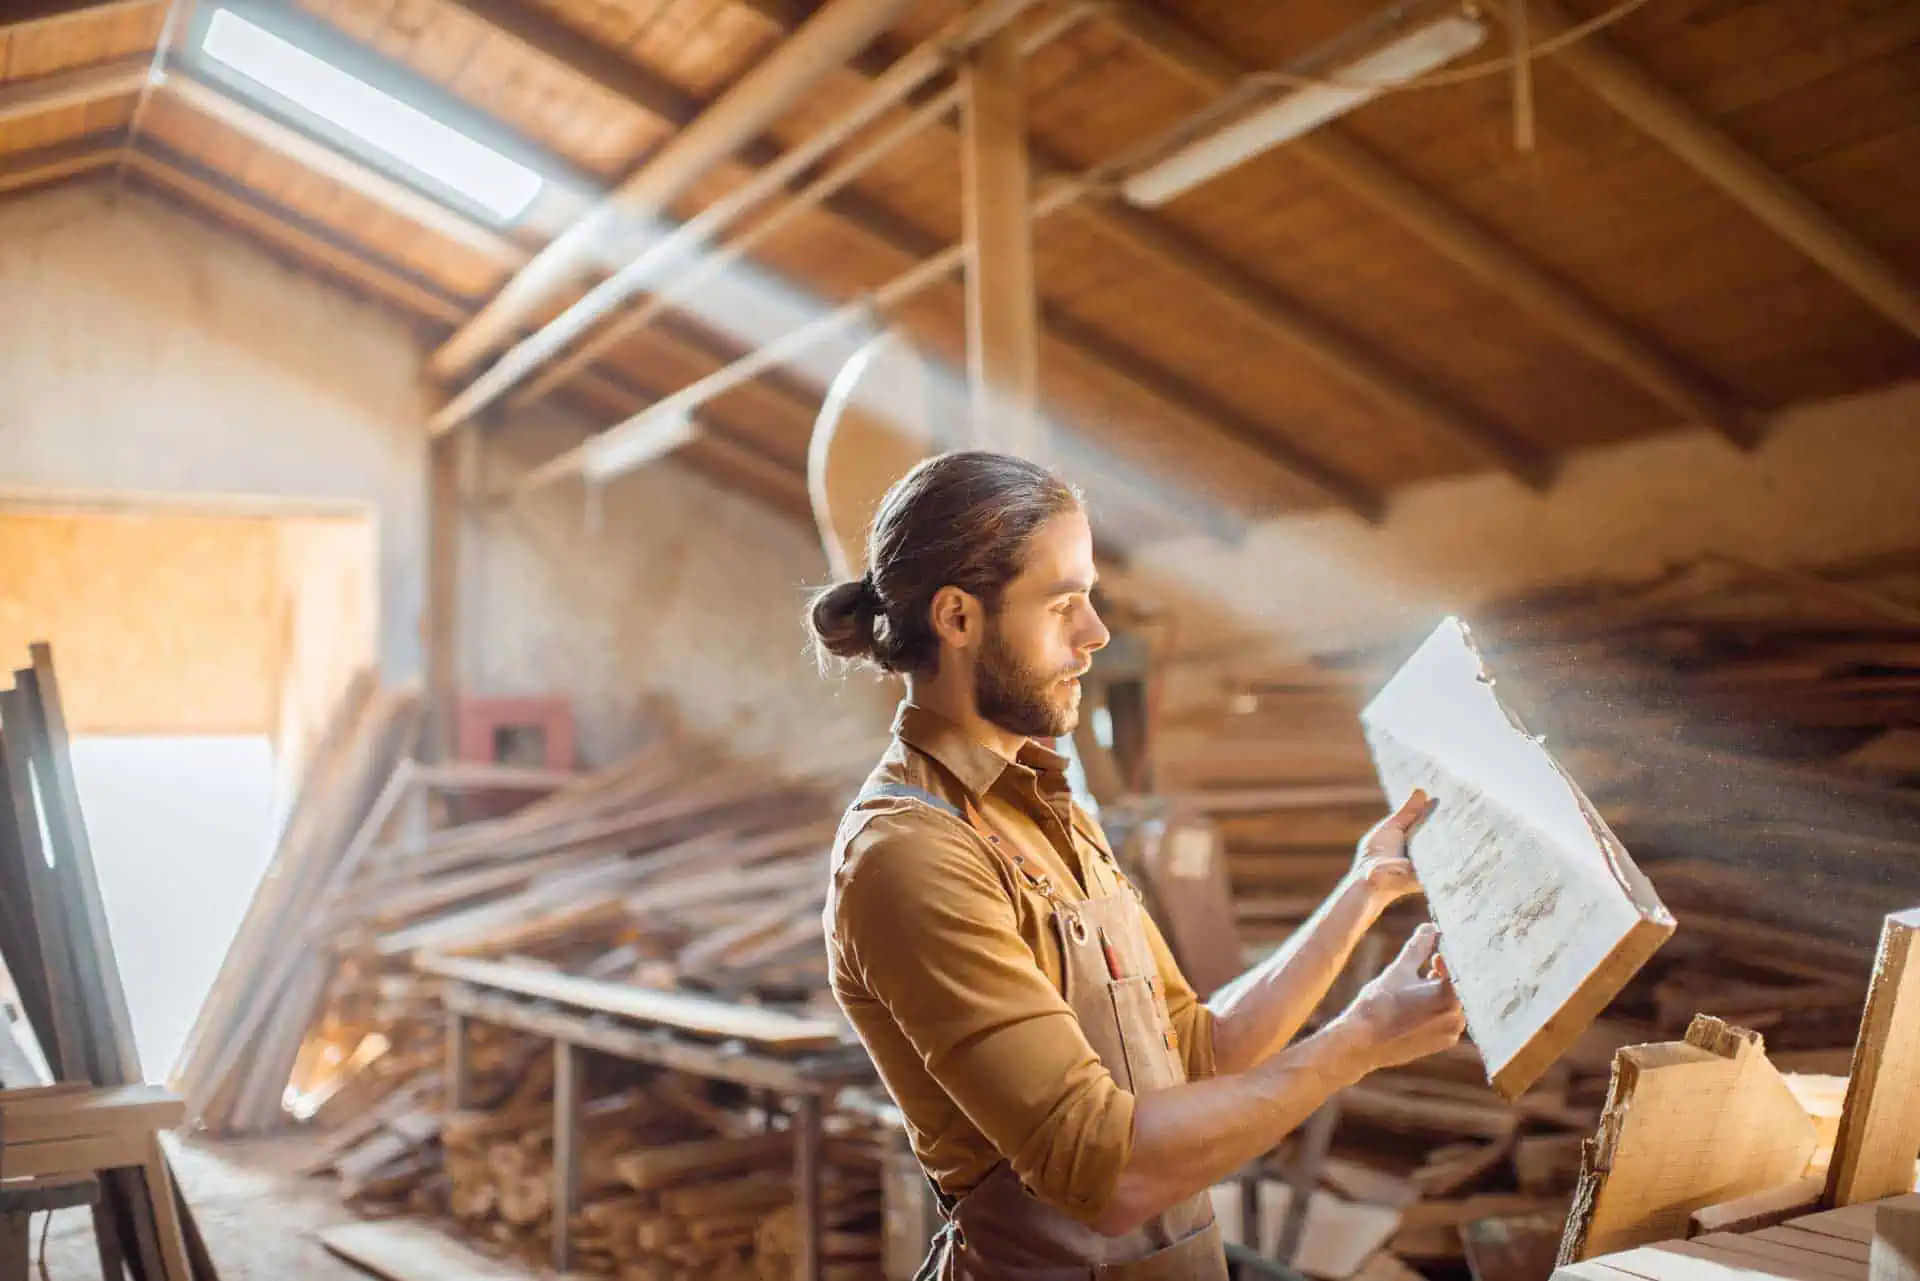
pixel 804 1086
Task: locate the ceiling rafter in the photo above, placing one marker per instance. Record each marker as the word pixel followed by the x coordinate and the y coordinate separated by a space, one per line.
pixel 79 86
pixel 891 231
pixel 1663 116
pixel 20 15
pixel 733 119
pixel 1497 264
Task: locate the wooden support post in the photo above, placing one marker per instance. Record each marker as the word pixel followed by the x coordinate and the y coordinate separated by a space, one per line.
pixel 1873 1154
pixel 566 1150
pixel 443 593
pixel 166 1213
pixel 807 1143
pixel 1003 321
pixel 459 1073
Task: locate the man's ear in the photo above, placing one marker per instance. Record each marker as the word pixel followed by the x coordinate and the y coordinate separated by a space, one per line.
pixel 957 617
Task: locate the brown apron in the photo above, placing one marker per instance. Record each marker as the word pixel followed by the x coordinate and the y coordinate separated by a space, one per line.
pixel 1000 1231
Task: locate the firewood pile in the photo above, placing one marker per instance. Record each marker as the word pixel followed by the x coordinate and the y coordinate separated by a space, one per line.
pixel 1752 736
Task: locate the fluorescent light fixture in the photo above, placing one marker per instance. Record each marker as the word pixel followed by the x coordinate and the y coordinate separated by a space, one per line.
pixel 501 186
pixel 621 449
pixel 1303 110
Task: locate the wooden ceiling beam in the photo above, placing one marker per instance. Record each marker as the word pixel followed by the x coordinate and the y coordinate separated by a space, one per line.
pixel 1362 370
pixel 734 119
pixel 913 244
pixel 1573 315
pixel 1661 114
pixel 22 15
pixel 583 56
pixel 39 166
pixel 1485 438
pixel 77 87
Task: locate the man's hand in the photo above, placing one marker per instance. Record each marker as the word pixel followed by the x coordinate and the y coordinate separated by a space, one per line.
pixel 1381 863
pixel 1402 1015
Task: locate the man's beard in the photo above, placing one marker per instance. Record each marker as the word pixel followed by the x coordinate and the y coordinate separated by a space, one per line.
pixel 1018 699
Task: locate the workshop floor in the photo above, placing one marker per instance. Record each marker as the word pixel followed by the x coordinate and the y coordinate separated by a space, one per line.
pixel 258 1219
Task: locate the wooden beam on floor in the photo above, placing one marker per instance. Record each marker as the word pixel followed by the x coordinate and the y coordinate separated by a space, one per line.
pixel 1663 116
pixel 996 185
pixel 1873 1154
pixel 1567 311
pixel 77 87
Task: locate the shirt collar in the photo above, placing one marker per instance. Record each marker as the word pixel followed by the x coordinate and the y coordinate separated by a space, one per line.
pixel 977 766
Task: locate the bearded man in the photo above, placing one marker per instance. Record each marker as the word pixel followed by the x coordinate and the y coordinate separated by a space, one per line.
pixel 1067 1095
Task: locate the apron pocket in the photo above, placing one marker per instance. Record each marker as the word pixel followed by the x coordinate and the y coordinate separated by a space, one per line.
pixel 1143 1035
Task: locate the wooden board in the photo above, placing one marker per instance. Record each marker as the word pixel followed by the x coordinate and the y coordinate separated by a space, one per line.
pixel 1543 916
pixel 675 1009
pixel 1879 1136
pixel 1758 1209
pixel 403 1250
pixel 1687 1124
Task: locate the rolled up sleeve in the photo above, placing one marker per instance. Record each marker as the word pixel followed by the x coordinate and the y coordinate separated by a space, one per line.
pixel 929 928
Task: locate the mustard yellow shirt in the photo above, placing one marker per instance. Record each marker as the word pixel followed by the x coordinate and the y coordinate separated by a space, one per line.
pixel 948 966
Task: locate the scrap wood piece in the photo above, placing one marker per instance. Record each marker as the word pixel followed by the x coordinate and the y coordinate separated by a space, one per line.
pixel 1686 1124
pixel 681 1010
pixel 1543 916
pixel 404 1250
pixel 1759 1210
pixel 1879 1135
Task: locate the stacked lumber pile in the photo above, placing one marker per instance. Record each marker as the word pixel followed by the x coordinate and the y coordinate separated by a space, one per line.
pixel 1753 738
pixel 671 1184
pixel 675 869
pixel 58 953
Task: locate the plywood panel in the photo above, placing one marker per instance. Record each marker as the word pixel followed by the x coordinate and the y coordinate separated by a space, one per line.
pixel 163 624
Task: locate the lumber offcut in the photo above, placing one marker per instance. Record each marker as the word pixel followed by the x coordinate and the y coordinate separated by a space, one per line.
pixel 1687 1124
pixel 1543 916
pixel 1873 1153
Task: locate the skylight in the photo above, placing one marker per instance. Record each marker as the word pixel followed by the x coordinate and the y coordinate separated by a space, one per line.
pixel 501 186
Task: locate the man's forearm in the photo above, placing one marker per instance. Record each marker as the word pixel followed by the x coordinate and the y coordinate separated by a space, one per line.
pixel 1263 1009
pixel 1190 1137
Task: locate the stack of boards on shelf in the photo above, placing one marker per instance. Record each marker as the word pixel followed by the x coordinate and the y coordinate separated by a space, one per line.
pixel 680 888
pixel 95 1119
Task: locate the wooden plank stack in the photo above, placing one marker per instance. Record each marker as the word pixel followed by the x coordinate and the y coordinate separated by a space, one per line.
pixel 1752 736
pixel 57 949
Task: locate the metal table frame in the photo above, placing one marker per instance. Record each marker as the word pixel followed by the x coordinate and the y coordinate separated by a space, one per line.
pixel 804 1085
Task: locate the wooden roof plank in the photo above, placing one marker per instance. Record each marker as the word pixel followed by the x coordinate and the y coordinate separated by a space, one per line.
pixel 43 165
pixel 1453 234
pixel 1664 117
pixel 82 85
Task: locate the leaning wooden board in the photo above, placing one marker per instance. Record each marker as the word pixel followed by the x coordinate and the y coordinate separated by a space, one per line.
pixel 1543 916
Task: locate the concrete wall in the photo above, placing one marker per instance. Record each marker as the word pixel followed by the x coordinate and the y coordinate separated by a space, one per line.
pixel 1831 483
pixel 143 353
pixel 146 355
